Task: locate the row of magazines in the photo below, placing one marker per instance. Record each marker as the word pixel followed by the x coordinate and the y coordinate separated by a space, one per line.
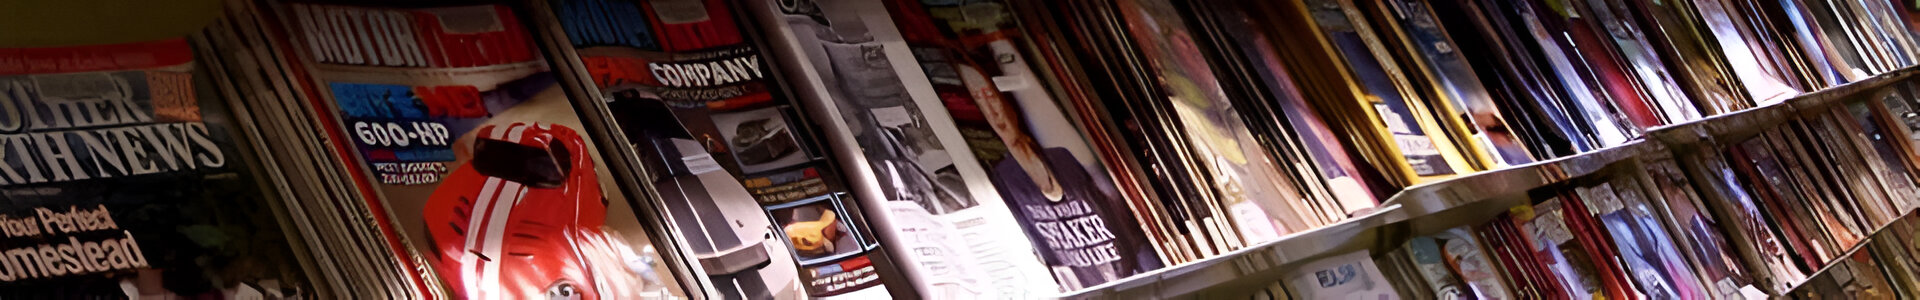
pixel 942 149
pixel 1820 205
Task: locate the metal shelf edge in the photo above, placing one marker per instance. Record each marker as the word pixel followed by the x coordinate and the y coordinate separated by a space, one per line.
pixel 1851 251
pixel 1430 198
pixel 1196 276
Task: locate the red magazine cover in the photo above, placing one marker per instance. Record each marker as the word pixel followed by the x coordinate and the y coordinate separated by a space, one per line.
pixel 475 153
pixel 1505 257
pixel 1517 230
pixel 1593 239
pixel 1556 240
pixel 1598 60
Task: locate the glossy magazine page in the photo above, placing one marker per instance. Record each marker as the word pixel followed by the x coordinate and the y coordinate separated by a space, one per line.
pixel 1089 95
pixel 477 155
pixel 1346 276
pixel 1552 241
pixel 1637 59
pixel 1749 229
pixel 908 161
pixel 1262 204
pixel 1760 85
pixel 1656 241
pixel 1694 228
pixel 1642 263
pixel 740 173
pixel 1460 91
pixel 1678 35
pixel 124 178
pixel 1041 166
pixel 1331 158
pixel 1419 144
pixel 1464 255
pixel 1597 61
pixel 1509 69
pixel 1608 125
pixel 1252 95
pixel 1140 129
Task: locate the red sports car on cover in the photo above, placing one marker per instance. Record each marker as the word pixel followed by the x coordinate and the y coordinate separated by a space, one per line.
pixel 523 219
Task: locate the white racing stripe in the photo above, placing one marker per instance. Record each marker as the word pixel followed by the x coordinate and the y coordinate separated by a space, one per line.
pixel 482 202
pixel 513 135
pixel 488 131
pixel 468 259
pixel 494 205
pixel 497 132
pixel 496 232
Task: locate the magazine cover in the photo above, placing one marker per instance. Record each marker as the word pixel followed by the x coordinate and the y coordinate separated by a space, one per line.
pixel 1854 175
pixel 1035 158
pixel 1812 230
pixel 1607 124
pixel 1398 268
pixel 1552 240
pixel 476 153
pixel 733 159
pixel 1509 68
pixel 1748 228
pixel 1083 91
pixel 1882 154
pixel 1330 159
pixel 1643 264
pixel 1444 66
pixel 1262 202
pixel 1465 257
pixel 1514 255
pixel 1761 85
pixel 1836 41
pixel 1696 228
pixel 1656 241
pixel 1431 262
pixel 1420 145
pixel 1886 27
pixel 1345 276
pixel 1573 28
pixel 1851 180
pixel 1827 67
pixel 1637 58
pixel 180 215
pixel 1592 237
pixel 1139 126
pixel 852 65
pixel 1675 33
pixel 1814 233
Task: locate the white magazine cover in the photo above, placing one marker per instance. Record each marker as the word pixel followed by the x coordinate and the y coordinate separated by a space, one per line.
pixel 1346 276
pixel 952 235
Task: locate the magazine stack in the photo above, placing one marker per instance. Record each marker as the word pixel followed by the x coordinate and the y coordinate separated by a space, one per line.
pixel 960 149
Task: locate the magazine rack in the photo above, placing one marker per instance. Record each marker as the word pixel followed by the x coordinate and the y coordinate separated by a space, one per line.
pixel 1460 201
